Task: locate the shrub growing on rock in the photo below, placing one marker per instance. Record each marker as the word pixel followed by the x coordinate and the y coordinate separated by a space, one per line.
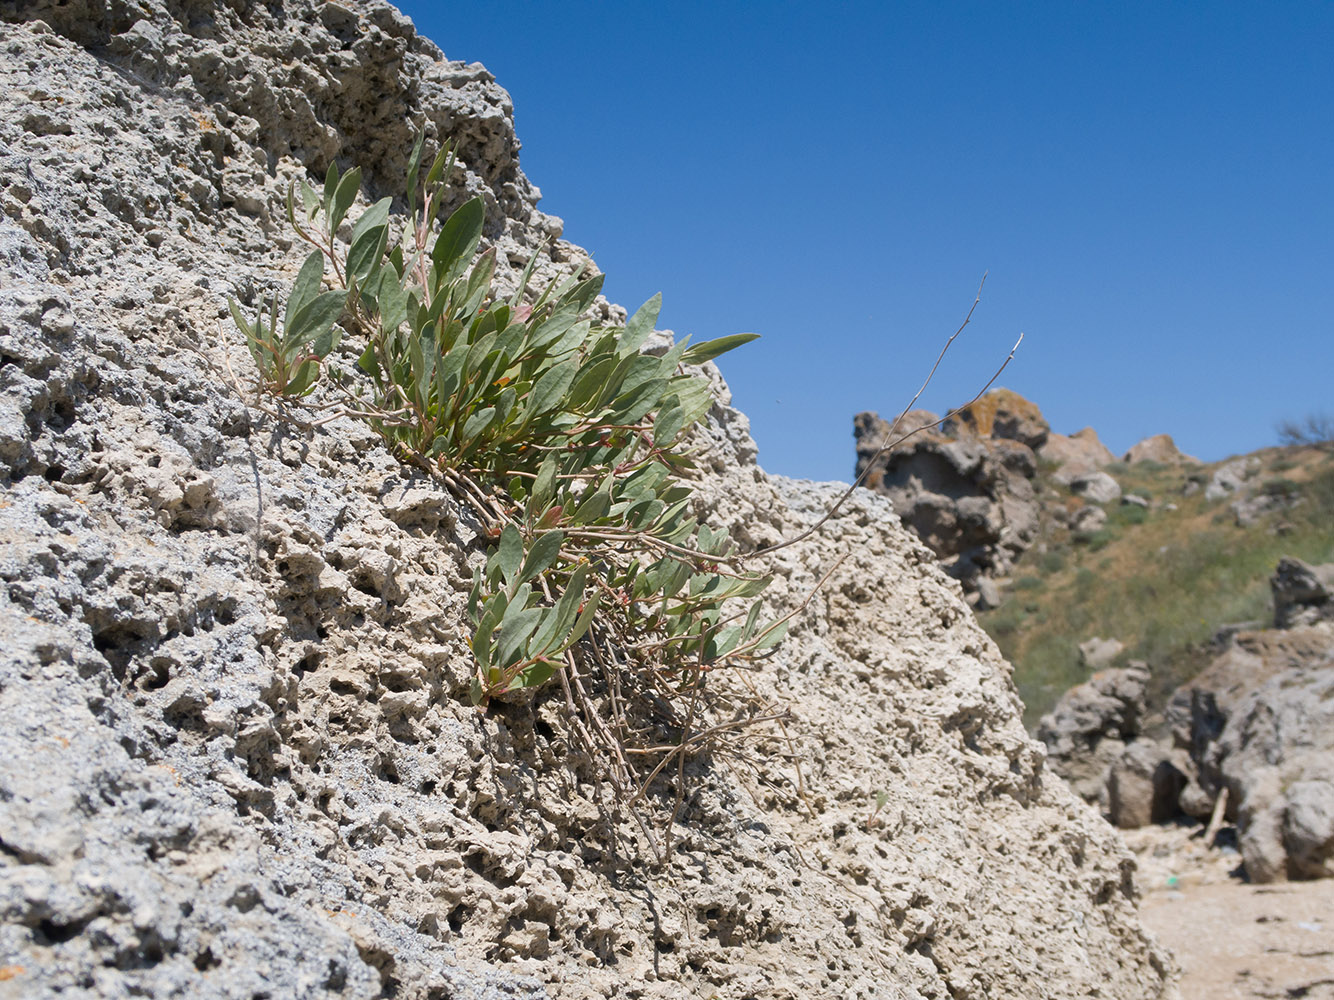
pixel 565 439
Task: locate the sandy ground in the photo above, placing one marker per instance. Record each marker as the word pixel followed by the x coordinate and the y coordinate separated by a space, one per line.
pixel 1233 941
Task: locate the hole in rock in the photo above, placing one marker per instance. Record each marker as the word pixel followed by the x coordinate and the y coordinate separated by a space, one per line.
pixel 156 677
pixel 58 933
pixel 456 918
pixel 61 416
pixel 116 644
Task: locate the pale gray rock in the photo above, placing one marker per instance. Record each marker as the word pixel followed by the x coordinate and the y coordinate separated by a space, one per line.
pixel 1228 479
pixel 1258 723
pixel 1088 519
pixel 1090 726
pixel 988 594
pixel 1075 455
pixel 237 756
pixel 1276 757
pixel 1253 505
pixel 1144 784
pixel 1135 500
pixel 1096 486
pixel 1097 652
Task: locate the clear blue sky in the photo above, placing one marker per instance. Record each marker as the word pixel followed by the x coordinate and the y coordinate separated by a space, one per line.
pixel 1150 186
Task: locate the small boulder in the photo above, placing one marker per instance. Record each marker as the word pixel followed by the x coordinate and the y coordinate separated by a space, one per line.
pixel 1097 652
pixel 1135 500
pixel 1229 478
pixel 1088 519
pixel 1096 486
pixel 1144 783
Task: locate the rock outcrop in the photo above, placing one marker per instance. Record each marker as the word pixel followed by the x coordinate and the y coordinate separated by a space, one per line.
pixel 1075 455
pixel 969 497
pixel 1259 724
pixel 1091 725
pixel 1158 448
pixel 966 486
pixel 1001 415
pixel 1303 594
pixel 237 756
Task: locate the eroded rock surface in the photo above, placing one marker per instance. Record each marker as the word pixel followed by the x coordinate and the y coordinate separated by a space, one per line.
pixel 236 752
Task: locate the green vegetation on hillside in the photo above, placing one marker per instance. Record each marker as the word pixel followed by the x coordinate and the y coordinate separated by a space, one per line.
pixel 1161 580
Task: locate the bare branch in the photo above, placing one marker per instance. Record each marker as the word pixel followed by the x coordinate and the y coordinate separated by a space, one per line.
pixel 890 440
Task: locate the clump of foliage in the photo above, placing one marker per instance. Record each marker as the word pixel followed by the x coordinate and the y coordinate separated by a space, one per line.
pixel 567 440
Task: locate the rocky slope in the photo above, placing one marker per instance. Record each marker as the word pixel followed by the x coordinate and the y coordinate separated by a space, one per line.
pixel 236 753
pixel 1077 561
pixel 1249 740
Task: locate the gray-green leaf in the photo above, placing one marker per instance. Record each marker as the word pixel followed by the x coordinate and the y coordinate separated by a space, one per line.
pixel 697 354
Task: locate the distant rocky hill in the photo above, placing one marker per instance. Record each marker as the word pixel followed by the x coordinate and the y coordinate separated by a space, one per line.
pixel 968 485
pixel 1078 560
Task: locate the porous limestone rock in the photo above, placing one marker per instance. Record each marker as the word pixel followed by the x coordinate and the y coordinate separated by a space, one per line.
pixel 237 757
